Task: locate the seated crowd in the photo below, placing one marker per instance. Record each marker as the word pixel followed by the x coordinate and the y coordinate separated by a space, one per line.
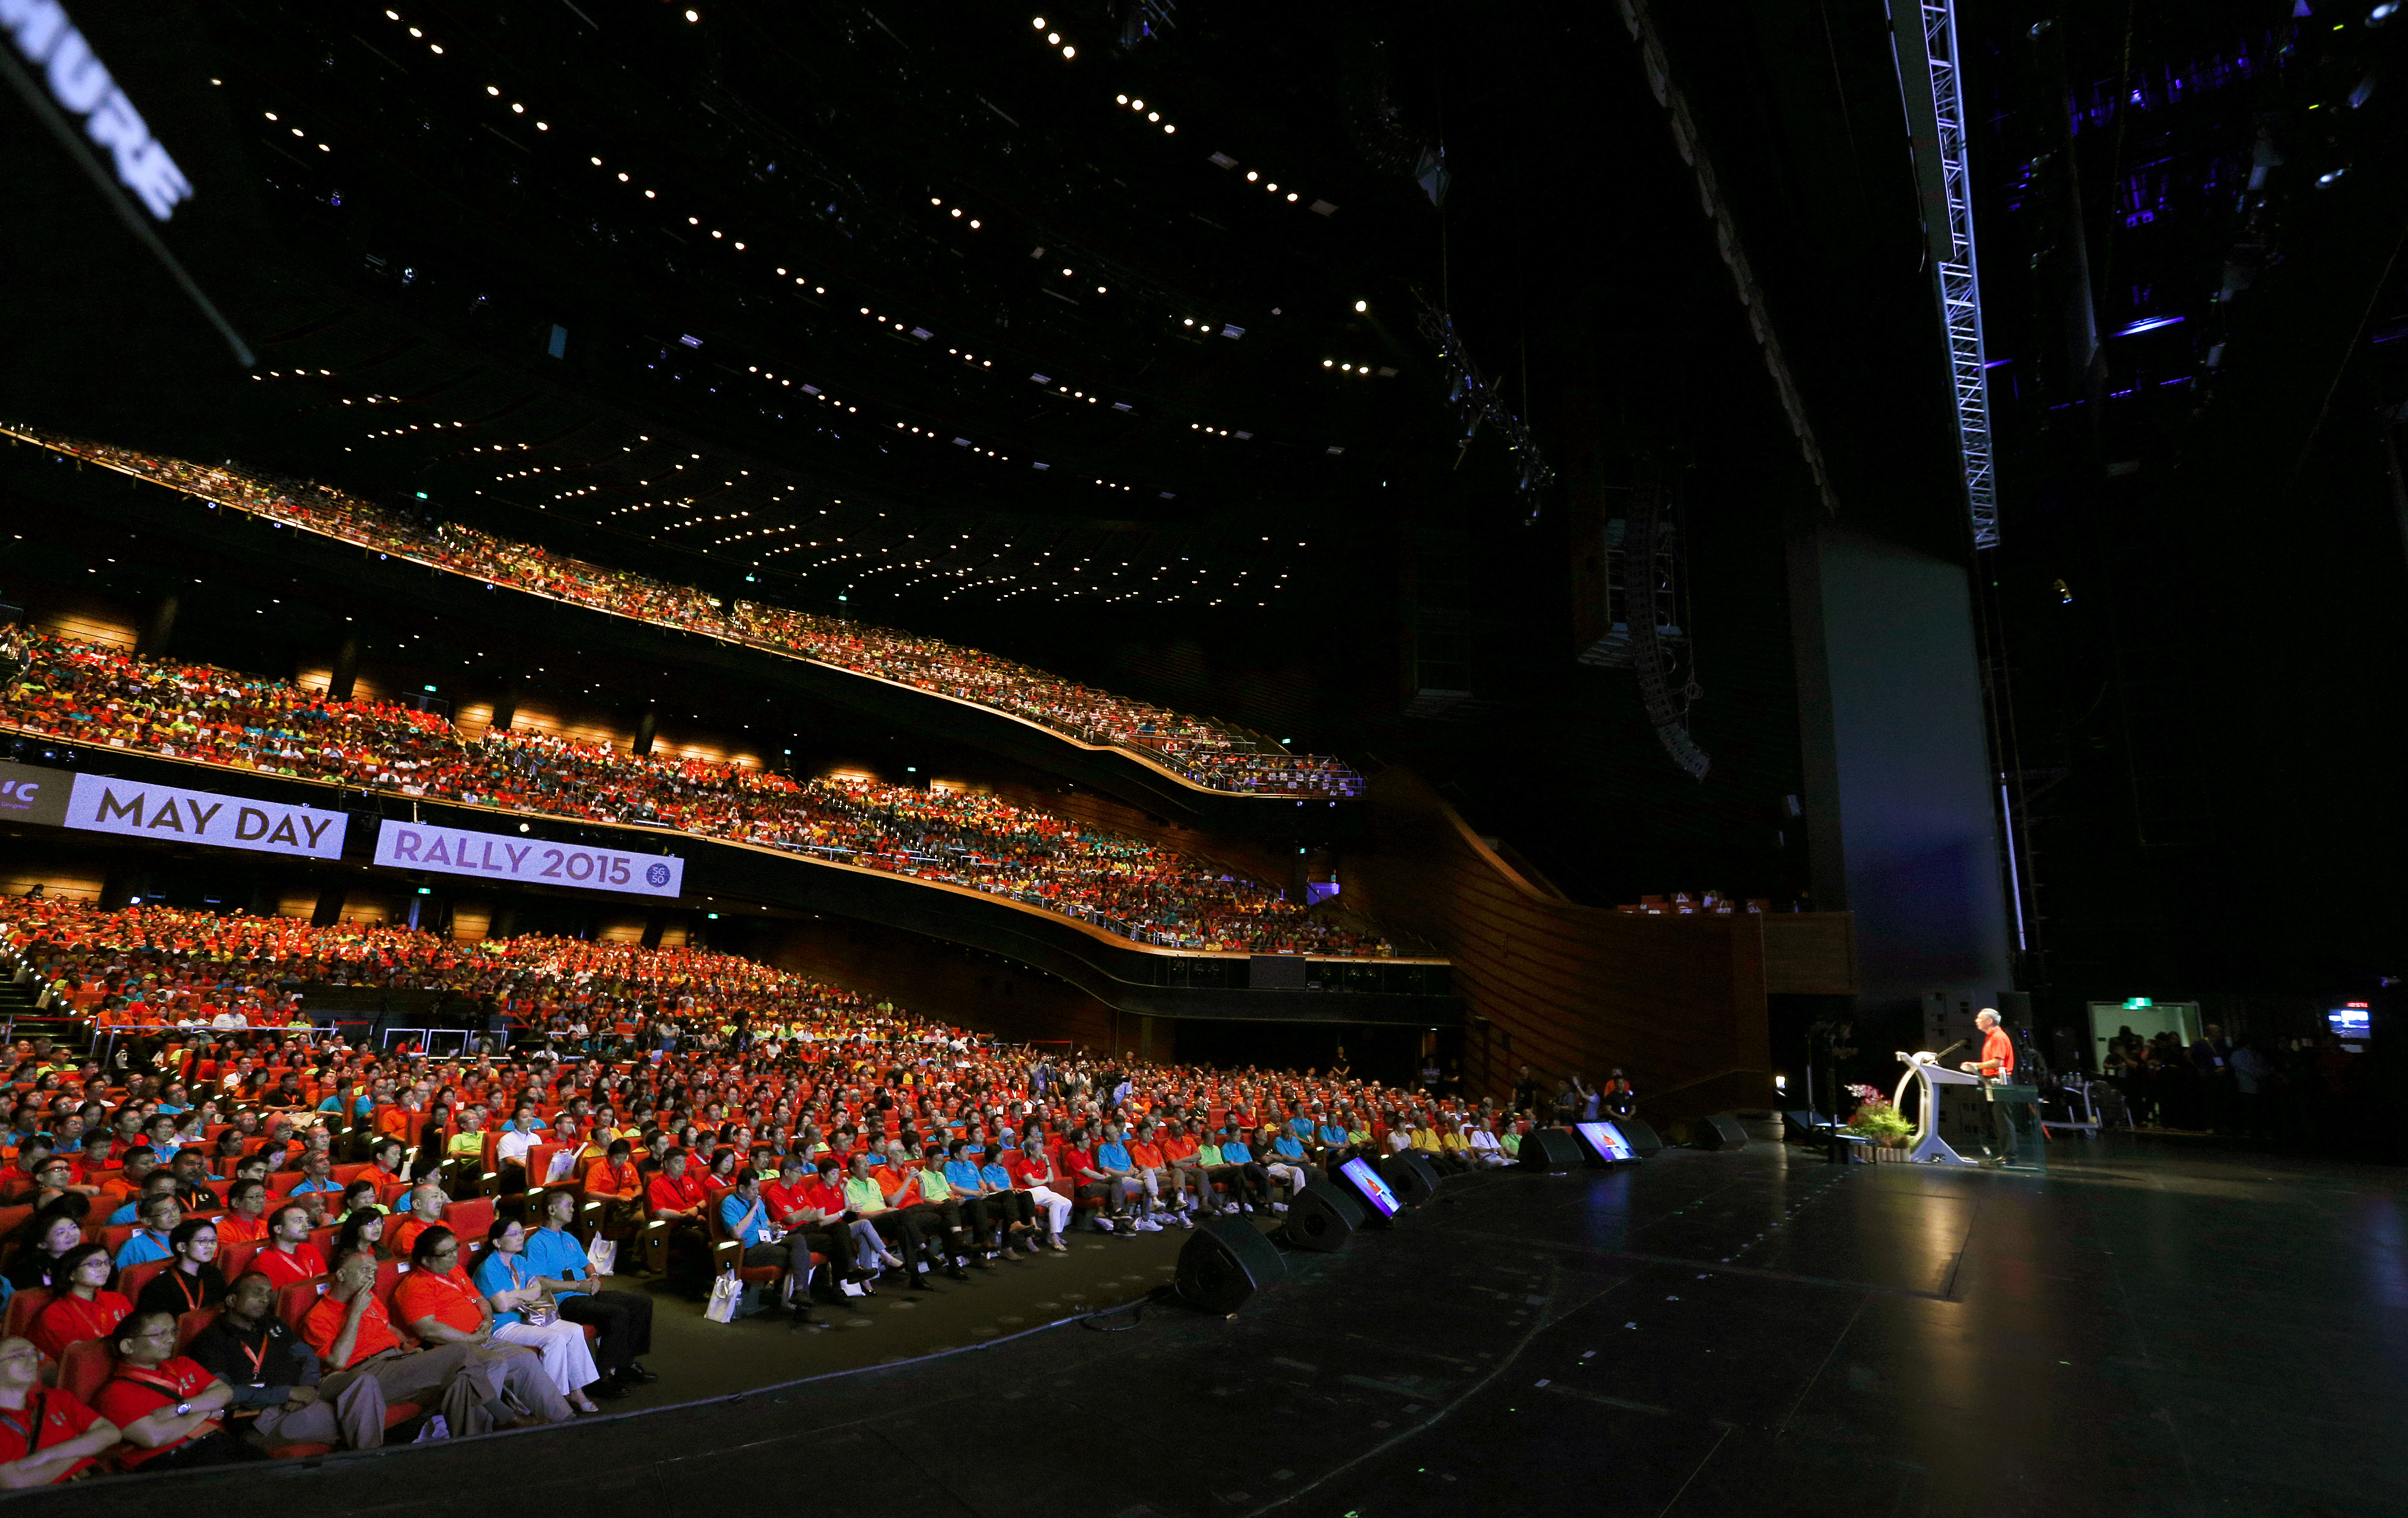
pixel 1202 751
pixel 92 694
pixel 242 1244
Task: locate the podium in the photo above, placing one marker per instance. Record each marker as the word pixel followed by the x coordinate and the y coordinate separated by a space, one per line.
pixel 1966 1119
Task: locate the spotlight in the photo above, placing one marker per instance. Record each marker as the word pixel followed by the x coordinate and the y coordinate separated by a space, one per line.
pixel 1362 305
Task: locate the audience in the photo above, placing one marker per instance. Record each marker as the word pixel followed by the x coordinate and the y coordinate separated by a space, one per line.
pixel 96 694
pixel 697 1075
pixel 1205 753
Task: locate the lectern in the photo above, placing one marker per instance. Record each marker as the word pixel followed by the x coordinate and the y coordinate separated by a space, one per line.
pixel 1961 1112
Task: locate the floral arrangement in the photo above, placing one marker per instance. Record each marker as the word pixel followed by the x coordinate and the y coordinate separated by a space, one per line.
pixel 1877 1116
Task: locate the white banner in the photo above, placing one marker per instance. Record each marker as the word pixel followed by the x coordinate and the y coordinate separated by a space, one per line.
pixel 456 851
pixel 102 805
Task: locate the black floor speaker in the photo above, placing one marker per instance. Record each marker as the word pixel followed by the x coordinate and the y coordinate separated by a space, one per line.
pixel 1321 1217
pixel 1550 1149
pixel 1716 1132
pixel 1225 1260
pixel 1644 1140
pixel 1412 1178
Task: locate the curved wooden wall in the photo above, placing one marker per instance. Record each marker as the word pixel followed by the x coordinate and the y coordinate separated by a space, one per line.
pixel 1677 1002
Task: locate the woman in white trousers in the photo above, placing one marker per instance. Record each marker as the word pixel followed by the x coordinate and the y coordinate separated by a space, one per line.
pixel 513 1289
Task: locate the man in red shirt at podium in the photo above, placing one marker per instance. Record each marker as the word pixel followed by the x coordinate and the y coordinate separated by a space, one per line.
pixel 1997 1061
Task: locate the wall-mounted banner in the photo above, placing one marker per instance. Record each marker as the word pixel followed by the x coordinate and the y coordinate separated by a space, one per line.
pixel 30 794
pixel 103 805
pixel 456 851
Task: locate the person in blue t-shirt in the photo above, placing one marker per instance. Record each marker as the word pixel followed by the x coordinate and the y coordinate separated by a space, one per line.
pixel 160 1215
pixel 1246 1179
pixel 1015 1209
pixel 1112 1159
pixel 746 1218
pixel 1285 1161
pixel 622 1320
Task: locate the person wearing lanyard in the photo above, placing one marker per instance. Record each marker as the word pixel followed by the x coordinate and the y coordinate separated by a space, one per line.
pixel 169 1407
pixel 46 1436
pixel 479 1386
pixel 160 1216
pixel 524 1312
pixel 193 1281
pixel 623 1321
pixel 746 1218
pixel 83 1308
pixel 277 1379
pixel 440 1305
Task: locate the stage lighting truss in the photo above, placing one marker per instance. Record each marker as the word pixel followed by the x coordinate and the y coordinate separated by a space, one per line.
pixel 1477 400
pixel 1659 650
pixel 1935 109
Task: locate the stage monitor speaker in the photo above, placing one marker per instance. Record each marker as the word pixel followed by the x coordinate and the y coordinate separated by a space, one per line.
pixel 1602 1144
pixel 1412 1178
pixel 1716 1132
pixel 1804 1126
pixel 1225 1260
pixel 1324 1217
pixel 1361 1180
pixel 1550 1149
pixel 1644 1140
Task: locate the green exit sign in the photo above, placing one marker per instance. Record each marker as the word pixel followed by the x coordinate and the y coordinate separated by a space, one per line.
pixel 2136 1003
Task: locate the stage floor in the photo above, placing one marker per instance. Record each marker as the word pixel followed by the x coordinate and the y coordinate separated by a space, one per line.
pixel 2146 1330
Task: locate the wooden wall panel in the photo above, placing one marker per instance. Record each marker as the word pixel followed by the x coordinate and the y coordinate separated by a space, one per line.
pixel 1677 1002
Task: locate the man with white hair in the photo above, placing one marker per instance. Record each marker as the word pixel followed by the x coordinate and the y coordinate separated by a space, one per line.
pixel 1997 1061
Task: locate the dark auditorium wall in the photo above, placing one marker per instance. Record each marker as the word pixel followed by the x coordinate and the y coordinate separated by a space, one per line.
pixel 1678 1002
pixel 957 985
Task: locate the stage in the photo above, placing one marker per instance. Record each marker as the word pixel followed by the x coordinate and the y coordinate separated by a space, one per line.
pixel 2144 1330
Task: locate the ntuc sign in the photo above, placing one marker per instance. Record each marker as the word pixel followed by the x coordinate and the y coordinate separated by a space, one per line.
pixel 100 804
pixel 30 794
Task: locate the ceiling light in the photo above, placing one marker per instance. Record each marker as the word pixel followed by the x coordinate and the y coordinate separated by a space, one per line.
pixel 1037 22
pixel 1053 36
pixel 693 16
pixel 1362 305
pixel 1069 52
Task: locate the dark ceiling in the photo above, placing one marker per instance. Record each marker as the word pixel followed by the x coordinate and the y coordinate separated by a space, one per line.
pixel 1297 577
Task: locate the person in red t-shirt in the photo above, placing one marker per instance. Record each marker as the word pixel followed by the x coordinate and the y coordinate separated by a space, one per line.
pixel 169 1407
pixel 1032 1174
pixel 46 1436
pixel 479 1386
pixel 1998 1059
pixel 676 1195
pixel 288 1256
pixel 83 1308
